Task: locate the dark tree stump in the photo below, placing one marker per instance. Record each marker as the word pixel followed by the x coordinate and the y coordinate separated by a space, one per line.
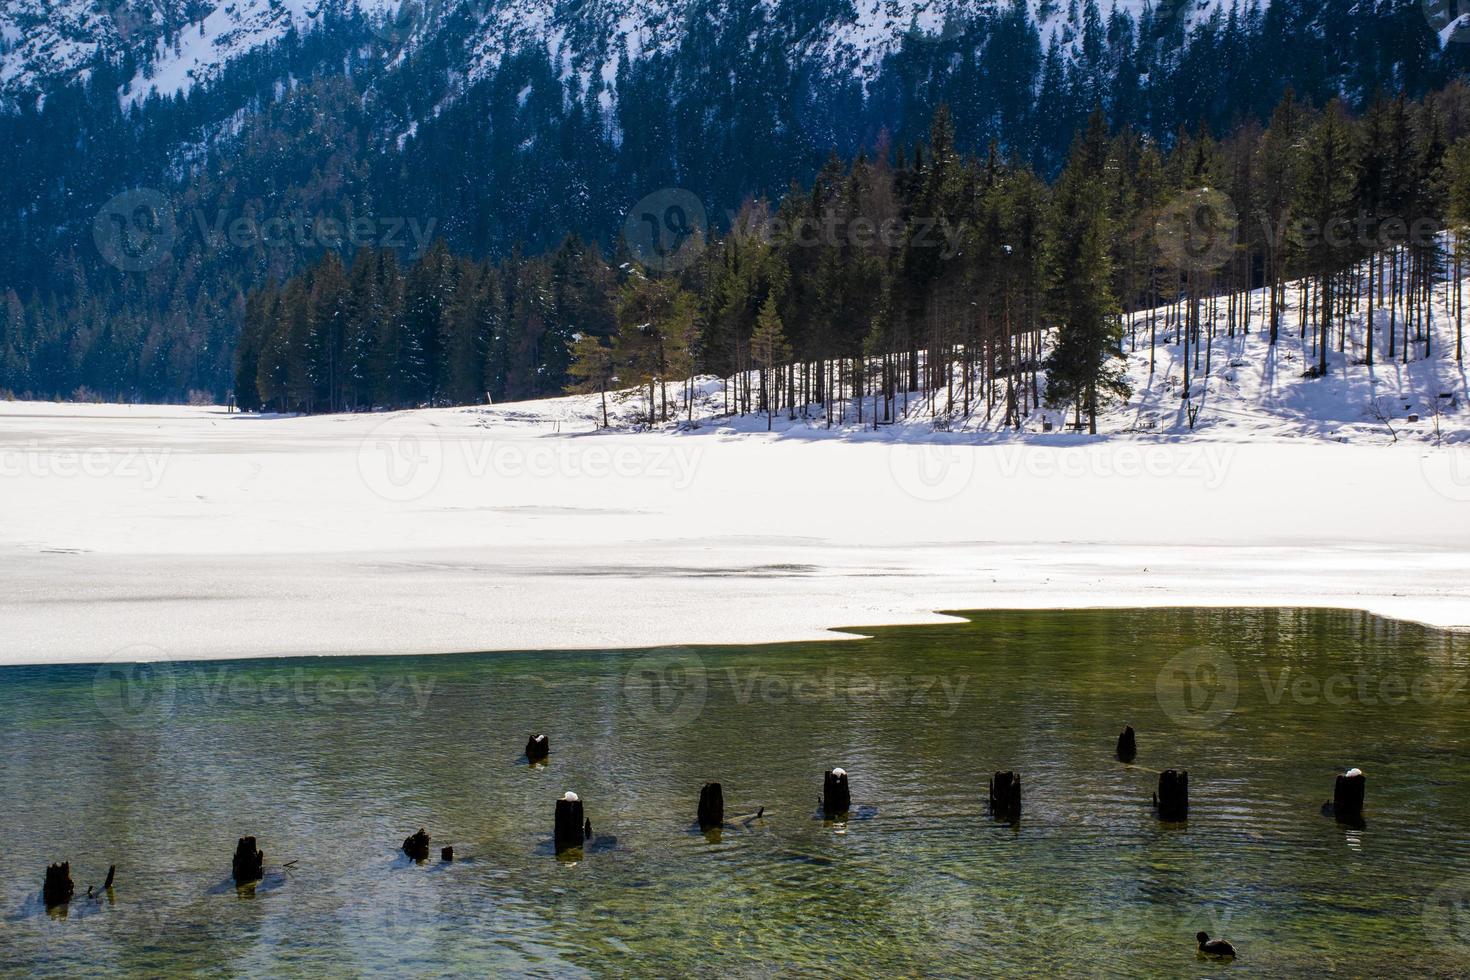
pixel 538 747
pixel 711 806
pixel 1172 799
pixel 1348 794
pixel 111 873
pixel 836 800
pixel 1127 745
pixel 249 863
pixel 1005 796
pixel 416 846
pixel 58 888
pixel 447 855
pixel 568 828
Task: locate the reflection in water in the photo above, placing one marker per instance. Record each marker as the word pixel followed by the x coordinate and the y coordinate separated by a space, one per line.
pixel 331 762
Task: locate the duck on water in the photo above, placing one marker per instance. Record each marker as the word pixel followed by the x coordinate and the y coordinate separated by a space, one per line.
pixel 1214 947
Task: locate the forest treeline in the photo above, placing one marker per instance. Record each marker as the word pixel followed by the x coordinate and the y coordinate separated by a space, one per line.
pixel 339 122
pixel 918 269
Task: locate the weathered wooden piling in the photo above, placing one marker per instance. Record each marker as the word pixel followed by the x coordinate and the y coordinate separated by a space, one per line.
pixel 416 846
pixel 58 888
pixel 836 800
pixel 711 806
pixel 1127 745
pixel 111 873
pixel 1172 799
pixel 447 855
pixel 538 747
pixel 568 830
pixel 1005 796
pixel 249 863
pixel 1348 793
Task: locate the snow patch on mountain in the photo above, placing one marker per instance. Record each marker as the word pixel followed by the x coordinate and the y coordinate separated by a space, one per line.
pixel 52 40
pixel 181 43
pixel 230 30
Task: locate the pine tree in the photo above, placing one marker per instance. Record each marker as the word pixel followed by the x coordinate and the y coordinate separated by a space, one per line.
pixel 1326 186
pixel 1082 367
pixel 592 368
pixel 769 349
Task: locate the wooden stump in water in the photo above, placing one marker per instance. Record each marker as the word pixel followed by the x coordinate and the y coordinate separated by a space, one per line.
pixel 1127 745
pixel 1005 796
pixel 711 806
pixel 111 873
pixel 1348 794
pixel 567 832
pixel 836 800
pixel 1172 799
pixel 416 846
pixel 447 855
pixel 538 747
pixel 249 863
pixel 58 888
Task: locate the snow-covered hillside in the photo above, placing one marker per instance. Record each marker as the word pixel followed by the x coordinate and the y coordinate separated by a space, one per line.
pixel 203 46
pixel 179 43
pixel 1242 388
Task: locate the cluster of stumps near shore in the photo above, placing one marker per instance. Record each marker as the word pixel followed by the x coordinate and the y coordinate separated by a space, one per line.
pixel 571 827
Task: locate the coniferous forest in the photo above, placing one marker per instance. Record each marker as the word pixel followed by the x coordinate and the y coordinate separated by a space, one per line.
pixel 919 268
pixel 469 188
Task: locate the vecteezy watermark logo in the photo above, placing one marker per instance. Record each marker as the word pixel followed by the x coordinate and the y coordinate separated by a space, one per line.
pixel 140 464
pixel 1195 230
pixel 135 230
pixel 666 689
pixel 321 231
pixel 401 459
pixel 931 692
pixel 959 918
pixel 1449 19
pixel 666 230
pixel 931 472
pixel 1446 915
pixel 1447 470
pixel 136 688
pixel 1203 464
pixel 1199 687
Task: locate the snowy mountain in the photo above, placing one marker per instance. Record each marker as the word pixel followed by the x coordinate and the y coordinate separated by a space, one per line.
pixel 511 124
pixel 175 44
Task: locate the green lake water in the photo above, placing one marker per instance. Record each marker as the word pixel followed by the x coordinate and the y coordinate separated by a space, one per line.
pixel 332 762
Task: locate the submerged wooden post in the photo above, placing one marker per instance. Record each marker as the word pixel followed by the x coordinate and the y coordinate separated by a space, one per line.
pixel 1127 745
pixel 447 855
pixel 567 832
pixel 58 888
pixel 416 846
pixel 249 863
pixel 1172 799
pixel 111 873
pixel 836 799
pixel 1348 793
pixel 711 806
pixel 1005 796
pixel 538 747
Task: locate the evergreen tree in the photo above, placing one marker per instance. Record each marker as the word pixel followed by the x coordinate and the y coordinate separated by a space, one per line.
pixel 769 349
pixel 1082 367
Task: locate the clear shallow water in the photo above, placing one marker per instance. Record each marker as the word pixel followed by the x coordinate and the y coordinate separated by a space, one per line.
pixel 333 762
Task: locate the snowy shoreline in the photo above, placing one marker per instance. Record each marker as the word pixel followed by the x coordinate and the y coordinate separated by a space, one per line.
pixel 156 532
pixel 189 533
